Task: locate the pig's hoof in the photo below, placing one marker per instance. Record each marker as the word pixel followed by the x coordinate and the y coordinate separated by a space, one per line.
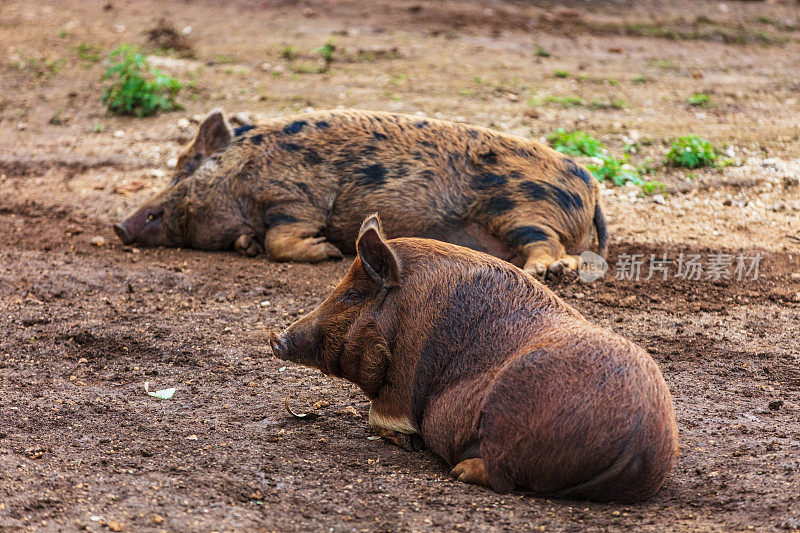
pixel 566 263
pixel 332 251
pixel 410 443
pixel 537 270
pixel 247 245
pixel 318 249
pixel 471 471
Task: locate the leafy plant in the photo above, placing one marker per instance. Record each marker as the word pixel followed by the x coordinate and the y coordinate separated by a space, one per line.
pixel 561 74
pixel 614 169
pixel 565 101
pixel 612 103
pixel 326 51
pixel 699 100
pixel 87 52
pixel 692 151
pixel 651 187
pixel 575 143
pixel 288 52
pixel 138 89
pixel 541 52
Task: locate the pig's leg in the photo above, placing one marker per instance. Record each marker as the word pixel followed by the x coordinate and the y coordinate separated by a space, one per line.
pixel 396 430
pixel 541 248
pixel 247 245
pixel 410 443
pixel 549 255
pixel 539 229
pixel 471 471
pixel 297 241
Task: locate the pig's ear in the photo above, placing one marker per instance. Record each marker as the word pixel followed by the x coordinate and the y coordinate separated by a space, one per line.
pixel 214 135
pixel 376 255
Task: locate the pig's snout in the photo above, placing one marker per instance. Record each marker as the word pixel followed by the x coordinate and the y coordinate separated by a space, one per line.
pixel 278 344
pixel 301 344
pixel 123 233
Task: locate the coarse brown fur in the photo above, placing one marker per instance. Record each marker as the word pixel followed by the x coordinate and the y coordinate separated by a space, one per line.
pixel 498 376
pixel 299 188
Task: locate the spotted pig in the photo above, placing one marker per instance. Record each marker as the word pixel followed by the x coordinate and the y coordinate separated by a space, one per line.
pixel 492 371
pixel 299 187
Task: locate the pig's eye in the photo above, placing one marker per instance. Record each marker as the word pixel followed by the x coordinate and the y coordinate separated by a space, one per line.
pixel 352 297
pixel 152 216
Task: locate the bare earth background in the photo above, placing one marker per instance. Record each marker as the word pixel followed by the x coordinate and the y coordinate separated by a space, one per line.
pixel 82 327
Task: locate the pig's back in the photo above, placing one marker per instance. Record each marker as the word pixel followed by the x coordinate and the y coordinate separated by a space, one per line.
pixel 425 177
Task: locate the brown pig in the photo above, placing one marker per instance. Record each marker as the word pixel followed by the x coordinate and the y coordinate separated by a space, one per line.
pixel 492 371
pixel 299 187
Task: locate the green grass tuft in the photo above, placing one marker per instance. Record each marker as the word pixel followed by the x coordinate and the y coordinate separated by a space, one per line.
pixel 613 169
pixel 692 151
pixel 699 100
pixel 565 101
pixel 577 143
pixel 137 88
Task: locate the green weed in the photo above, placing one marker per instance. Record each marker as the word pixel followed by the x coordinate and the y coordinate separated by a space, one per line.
pixel 564 101
pixel 699 100
pixel 87 52
pixel 288 53
pixel 614 169
pixel 692 151
pixel 326 51
pixel 576 143
pixel 137 88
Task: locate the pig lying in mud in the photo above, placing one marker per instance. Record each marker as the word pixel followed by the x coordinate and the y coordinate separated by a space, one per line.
pixel 492 371
pixel 298 188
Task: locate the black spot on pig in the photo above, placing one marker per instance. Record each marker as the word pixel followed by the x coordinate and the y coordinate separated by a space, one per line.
pixel 257 139
pixel 523 235
pixel 498 205
pixel 241 130
pixel 290 147
pixel 278 219
pixel 566 199
pixel 533 190
pixel 575 170
pixel 311 157
pixel 487 180
pixel 372 176
pixel 489 158
pixel 295 127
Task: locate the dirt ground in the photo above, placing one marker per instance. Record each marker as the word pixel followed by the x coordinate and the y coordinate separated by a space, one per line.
pixel 83 327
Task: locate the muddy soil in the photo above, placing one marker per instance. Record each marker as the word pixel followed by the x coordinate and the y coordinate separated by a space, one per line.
pixel 86 321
